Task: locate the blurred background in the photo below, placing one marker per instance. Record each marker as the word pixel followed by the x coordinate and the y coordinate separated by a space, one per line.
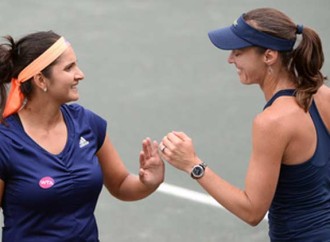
pixel 150 69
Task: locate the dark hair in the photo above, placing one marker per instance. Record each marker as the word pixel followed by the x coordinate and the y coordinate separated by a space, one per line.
pixel 16 55
pixel 304 62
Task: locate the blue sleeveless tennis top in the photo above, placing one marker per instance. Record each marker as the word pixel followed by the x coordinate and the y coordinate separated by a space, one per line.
pixel 300 210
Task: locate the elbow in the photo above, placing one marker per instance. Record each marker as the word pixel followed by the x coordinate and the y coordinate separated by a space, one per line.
pixel 254 219
pixel 254 222
pixel 254 214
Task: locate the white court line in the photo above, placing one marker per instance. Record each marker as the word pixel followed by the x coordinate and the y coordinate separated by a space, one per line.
pixel 190 195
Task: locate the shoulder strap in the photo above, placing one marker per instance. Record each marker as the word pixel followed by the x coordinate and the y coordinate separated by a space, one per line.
pixel 285 92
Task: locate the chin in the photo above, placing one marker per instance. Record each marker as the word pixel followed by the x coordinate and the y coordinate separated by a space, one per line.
pixel 74 98
pixel 246 82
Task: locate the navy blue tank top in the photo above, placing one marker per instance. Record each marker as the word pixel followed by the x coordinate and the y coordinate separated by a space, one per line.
pixel 300 210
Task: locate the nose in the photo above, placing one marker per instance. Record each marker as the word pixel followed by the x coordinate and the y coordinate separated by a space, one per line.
pixel 80 75
pixel 230 58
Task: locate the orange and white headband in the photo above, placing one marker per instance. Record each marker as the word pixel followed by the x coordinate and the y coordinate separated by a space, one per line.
pixel 15 98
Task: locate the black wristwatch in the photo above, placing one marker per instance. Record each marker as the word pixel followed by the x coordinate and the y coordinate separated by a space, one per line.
pixel 198 171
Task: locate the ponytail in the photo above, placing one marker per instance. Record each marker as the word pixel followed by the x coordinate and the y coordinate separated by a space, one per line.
pixel 306 63
pixel 7 56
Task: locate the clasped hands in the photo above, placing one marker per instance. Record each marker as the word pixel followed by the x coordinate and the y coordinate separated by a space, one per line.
pixel 176 148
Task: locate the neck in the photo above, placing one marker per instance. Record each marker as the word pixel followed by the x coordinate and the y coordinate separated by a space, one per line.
pixel 44 117
pixel 276 82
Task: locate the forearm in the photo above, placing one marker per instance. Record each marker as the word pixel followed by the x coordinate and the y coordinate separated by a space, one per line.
pixel 232 198
pixel 132 189
pixel 250 204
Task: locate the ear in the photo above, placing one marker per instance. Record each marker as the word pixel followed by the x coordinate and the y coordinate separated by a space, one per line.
pixel 40 81
pixel 270 56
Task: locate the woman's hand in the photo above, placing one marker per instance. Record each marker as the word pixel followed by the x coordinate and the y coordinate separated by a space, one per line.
pixel 152 168
pixel 178 150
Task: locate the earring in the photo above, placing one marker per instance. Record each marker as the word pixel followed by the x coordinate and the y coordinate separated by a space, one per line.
pixel 45 89
pixel 270 70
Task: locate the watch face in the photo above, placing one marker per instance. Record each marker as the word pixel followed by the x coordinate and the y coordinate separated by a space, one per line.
pixel 198 172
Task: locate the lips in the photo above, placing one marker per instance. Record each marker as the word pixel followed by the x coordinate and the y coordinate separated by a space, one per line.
pixel 74 87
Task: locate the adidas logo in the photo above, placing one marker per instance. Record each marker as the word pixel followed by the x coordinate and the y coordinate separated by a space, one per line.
pixel 83 142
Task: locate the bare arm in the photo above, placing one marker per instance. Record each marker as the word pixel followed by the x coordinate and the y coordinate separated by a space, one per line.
pixel 2 189
pixel 120 182
pixel 252 203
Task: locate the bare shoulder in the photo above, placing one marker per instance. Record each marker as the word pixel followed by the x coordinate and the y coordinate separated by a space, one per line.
pixel 282 113
pixel 285 129
pixel 323 94
pixel 269 128
pixel 280 119
pixel 322 100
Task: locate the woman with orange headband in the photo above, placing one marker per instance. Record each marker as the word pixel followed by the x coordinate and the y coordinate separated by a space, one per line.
pixel 54 156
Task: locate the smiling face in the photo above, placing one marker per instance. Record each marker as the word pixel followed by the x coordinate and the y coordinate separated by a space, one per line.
pixel 250 65
pixel 64 78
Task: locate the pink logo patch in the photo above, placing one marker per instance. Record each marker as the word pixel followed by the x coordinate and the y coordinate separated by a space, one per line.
pixel 46 182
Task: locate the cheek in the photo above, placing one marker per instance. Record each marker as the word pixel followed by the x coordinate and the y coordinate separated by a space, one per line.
pixel 250 74
pixel 255 68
